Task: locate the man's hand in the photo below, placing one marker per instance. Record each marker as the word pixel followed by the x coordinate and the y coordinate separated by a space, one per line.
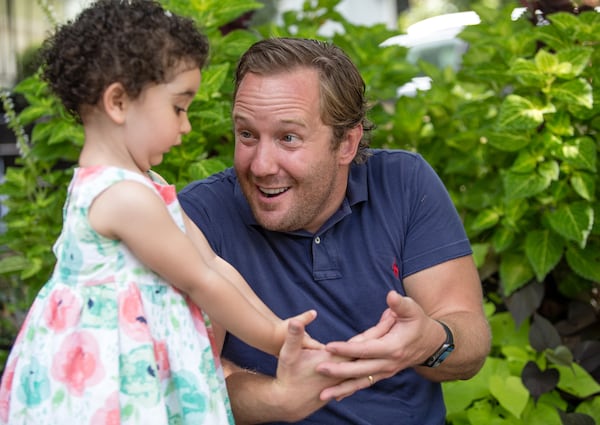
pixel 408 333
pixel 293 394
pixel 402 338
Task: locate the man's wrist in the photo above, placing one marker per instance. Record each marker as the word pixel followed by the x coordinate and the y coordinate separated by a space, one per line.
pixel 443 351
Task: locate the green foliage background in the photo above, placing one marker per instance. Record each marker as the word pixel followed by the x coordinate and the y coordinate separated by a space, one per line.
pixel 514 136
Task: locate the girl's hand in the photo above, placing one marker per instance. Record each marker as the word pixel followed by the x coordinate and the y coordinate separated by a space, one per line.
pixel 305 318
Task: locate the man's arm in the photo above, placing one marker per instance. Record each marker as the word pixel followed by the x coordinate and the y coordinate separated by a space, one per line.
pixel 449 292
pixel 291 396
pixel 452 294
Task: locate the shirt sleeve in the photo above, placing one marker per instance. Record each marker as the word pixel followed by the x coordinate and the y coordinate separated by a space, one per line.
pixel 434 232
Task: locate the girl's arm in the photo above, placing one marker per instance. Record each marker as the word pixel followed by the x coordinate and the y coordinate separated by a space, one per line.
pixel 226 269
pixel 134 214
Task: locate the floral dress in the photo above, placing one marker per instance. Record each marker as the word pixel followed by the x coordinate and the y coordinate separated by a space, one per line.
pixel 107 341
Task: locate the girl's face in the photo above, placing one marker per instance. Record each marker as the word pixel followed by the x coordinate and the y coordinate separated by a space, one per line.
pixel 158 118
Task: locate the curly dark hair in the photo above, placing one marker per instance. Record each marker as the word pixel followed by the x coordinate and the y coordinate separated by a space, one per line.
pixel 133 42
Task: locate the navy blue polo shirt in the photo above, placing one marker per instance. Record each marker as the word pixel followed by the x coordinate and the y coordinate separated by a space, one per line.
pixel 395 220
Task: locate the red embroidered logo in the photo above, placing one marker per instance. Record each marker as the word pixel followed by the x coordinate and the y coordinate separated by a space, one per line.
pixel 396 270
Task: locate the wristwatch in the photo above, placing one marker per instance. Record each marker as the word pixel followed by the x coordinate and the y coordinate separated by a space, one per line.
pixel 444 351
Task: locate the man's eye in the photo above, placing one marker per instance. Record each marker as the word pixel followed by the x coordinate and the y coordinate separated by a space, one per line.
pixel 289 138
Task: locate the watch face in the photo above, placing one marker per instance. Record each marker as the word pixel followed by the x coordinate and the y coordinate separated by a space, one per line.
pixel 445 354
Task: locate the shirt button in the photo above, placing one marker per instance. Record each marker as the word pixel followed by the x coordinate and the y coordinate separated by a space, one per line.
pixel 317 240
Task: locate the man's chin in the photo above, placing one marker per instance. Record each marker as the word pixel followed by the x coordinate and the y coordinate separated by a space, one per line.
pixel 271 222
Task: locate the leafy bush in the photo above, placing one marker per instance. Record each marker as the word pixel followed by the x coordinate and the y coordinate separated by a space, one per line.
pixel 514 135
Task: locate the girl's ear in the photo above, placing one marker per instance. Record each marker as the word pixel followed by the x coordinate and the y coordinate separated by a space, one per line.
pixel 115 101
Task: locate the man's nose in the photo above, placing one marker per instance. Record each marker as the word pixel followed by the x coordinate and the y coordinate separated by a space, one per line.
pixel 264 160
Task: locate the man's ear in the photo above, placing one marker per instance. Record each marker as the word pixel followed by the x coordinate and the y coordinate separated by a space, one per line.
pixel 115 102
pixel 349 145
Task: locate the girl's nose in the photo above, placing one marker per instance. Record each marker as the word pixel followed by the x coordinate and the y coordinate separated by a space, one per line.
pixel 186 126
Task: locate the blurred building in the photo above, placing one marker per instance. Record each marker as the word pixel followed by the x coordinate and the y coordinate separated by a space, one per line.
pixel 23 25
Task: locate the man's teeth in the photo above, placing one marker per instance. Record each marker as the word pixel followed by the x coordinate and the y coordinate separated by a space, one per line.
pixel 273 192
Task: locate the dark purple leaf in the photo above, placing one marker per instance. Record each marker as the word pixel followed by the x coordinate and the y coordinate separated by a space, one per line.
pixel 587 355
pixel 524 302
pixel 542 334
pixel 581 315
pixel 576 418
pixel 537 381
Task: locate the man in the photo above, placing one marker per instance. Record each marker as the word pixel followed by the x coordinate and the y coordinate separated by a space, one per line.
pixel 313 219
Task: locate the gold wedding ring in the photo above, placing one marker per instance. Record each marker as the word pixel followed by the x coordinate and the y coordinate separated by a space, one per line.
pixel 370 378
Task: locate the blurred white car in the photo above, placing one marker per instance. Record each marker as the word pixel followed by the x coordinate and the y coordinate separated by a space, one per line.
pixel 435 40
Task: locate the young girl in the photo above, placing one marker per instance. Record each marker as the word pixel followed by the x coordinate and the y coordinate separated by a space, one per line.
pixel 107 339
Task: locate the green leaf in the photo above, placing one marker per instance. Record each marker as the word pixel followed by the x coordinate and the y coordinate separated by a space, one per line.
pixel 549 170
pixel 573 221
pixel 519 113
pixel 585 261
pixel 213 79
pixel 510 393
pixel 523 185
pixel 541 413
pixel 502 239
pixel 544 250
pixel 584 184
pixel 577 57
pixel 576 381
pixel 575 92
pixel 560 355
pixel 526 162
pixel 581 153
pixel 514 210
pixel 546 62
pixel 515 271
pixel 559 123
pixel 13 263
pixel 206 167
pixel 33 113
pixel 508 142
pixel 458 395
pixel 590 407
pixel 485 219
pixel 528 74
pixel 480 251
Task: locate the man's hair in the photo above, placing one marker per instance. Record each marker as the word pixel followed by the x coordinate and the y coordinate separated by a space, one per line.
pixel 343 105
pixel 133 42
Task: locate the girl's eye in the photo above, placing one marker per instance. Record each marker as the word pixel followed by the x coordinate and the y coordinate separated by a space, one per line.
pixel 179 110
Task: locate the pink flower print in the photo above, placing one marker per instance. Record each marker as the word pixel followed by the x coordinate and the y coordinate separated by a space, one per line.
pixel 131 314
pixel 6 388
pixel 63 310
pixel 77 363
pixel 110 413
pixel 204 328
pixel 85 173
pixel 166 192
pixel 162 359
pixel 197 317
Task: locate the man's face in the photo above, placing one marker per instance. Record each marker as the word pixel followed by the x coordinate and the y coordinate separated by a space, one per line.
pixel 283 157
